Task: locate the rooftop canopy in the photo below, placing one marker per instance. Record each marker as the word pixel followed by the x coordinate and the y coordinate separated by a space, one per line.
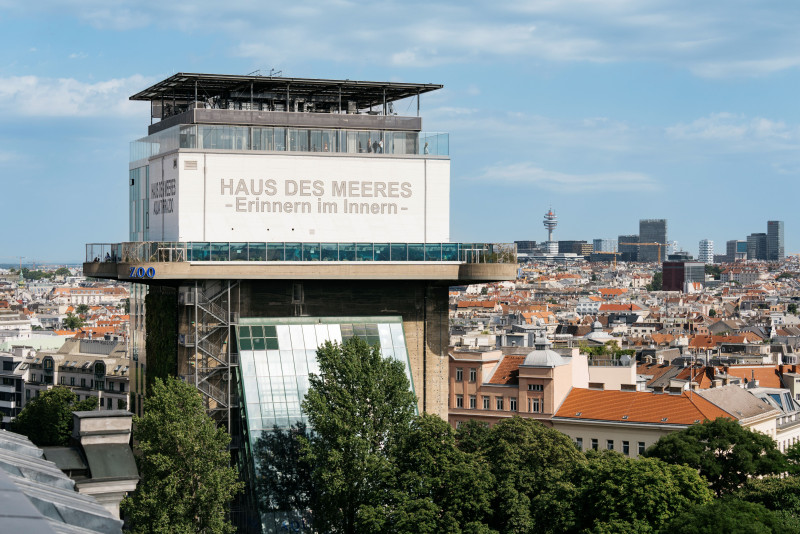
pixel 219 90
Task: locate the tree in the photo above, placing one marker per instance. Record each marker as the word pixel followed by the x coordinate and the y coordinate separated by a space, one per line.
pixel 657 283
pixel 712 312
pixel 82 309
pixel 731 516
pixel 283 477
pixel 724 452
pixel 613 492
pixel 62 271
pixel 358 406
pixel 775 493
pixel 186 480
pixel 72 321
pixel 792 308
pixel 435 486
pixel 532 466
pixel 47 419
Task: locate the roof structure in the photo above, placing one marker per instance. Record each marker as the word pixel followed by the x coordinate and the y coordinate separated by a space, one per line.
pixel 638 407
pixel 190 87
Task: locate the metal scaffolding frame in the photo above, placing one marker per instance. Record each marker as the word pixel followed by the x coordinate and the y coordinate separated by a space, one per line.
pixel 214 315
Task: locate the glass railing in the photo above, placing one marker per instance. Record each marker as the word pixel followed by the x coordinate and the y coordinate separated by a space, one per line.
pixel 278 139
pixel 154 251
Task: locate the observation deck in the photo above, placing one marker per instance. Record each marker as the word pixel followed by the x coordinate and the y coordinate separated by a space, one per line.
pixel 161 262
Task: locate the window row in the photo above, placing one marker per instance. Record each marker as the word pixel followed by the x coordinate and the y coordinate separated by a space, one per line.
pixel 473 374
pixel 626 446
pixel 534 405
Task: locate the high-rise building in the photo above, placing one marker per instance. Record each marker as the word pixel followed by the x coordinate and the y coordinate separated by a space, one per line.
pixel 757 246
pixel 628 247
pixel 605 245
pixel 653 231
pixel 775 251
pixel 706 251
pixel 675 274
pixel 269 215
pixel 550 222
pixel 735 250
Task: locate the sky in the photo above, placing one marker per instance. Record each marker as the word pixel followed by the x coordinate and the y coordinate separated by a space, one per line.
pixel 609 111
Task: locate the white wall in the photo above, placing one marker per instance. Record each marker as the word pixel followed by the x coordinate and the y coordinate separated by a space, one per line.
pixel 236 197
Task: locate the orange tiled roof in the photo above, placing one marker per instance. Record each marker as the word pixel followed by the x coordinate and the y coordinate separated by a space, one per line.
pixel 477 304
pixel 612 291
pixel 652 369
pixel 639 407
pixel 767 375
pixel 508 370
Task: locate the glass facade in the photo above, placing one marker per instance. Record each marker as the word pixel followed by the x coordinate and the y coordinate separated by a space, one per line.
pixel 276 356
pixel 280 139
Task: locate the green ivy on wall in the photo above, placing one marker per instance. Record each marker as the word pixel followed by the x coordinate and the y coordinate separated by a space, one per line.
pixel 161 304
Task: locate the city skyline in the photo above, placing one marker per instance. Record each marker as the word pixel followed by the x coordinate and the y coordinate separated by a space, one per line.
pixel 693 123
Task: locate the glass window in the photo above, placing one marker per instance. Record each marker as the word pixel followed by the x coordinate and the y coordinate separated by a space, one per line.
pixel 512 404
pixel 459 374
pixel 626 448
pixel 579 443
pixel 382 252
pixel 433 252
pixel 486 402
pixel 275 252
pixel 499 402
pixel 329 252
pixel 298 140
pixel 459 401
pixel 293 251
pixel 473 402
pixel 594 443
pixel 263 139
pixel 257 251
pixel 610 444
pixel 534 405
pixel 473 374
pixel 399 252
pixel 311 252
pixel 641 447
pixel 416 252
pixel 238 251
pixel 535 387
pixel 347 252
pixel 449 252
pixel 364 252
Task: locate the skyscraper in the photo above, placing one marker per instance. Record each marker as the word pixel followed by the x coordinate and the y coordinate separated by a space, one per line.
pixel 735 250
pixel 775 251
pixel 605 245
pixel 706 251
pixel 628 247
pixel 652 231
pixel 757 246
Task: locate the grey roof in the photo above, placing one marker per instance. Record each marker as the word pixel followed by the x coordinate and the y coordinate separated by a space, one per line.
pixel 738 402
pixel 36 497
pixel 543 358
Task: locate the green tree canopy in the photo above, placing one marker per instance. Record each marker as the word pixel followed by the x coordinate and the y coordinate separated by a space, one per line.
pixel 62 271
pixel 72 321
pixel 186 480
pixel 658 282
pixel 435 486
pixel 777 494
pixel 82 309
pixel 724 452
pixel 618 494
pixel 47 419
pixel 532 466
pixel 358 406
pixel 731 516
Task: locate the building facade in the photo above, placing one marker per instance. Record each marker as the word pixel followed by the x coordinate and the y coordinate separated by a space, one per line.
pixel 654 232
pixel 706 251
pixel 270 215
pixel 757 246
pixel 775 248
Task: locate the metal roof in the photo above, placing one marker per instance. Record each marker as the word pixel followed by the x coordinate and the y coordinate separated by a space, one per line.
pixel 182 86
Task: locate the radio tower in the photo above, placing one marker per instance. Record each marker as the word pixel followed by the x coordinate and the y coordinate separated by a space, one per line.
pixel 550 222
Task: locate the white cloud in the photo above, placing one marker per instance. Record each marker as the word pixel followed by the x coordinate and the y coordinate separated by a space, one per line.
pixel 737 131
pixel 527 173
pixel 34 96
pixel 78 55
pixel 711 39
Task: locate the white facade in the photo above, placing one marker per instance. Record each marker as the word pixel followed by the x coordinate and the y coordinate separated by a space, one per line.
pixel 706 251
pixel 216 196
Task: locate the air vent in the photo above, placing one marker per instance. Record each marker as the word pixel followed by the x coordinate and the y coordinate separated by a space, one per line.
pixel 578 414
pixel 190 165
pixel 624 416
pixel 663 419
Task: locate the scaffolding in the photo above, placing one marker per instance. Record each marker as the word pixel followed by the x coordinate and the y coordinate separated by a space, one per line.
pixel 212 357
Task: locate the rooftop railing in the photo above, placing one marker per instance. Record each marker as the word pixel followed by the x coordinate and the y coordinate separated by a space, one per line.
pixel 282 139
pixel 158 251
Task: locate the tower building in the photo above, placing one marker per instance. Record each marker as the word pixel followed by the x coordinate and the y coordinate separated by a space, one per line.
pixel 652 240
pixel 269 215
pixel 706 251
pixel 550 222
pixel 775 250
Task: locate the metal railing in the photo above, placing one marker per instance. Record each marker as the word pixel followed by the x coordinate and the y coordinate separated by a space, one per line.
pixel 161 252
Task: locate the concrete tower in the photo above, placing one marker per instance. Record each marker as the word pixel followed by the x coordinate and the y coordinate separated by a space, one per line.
pixel 550 222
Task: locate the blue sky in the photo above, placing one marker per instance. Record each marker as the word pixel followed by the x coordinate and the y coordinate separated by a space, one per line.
pixel 609 111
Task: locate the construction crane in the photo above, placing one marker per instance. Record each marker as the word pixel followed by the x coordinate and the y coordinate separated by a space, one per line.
pixel 653 244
